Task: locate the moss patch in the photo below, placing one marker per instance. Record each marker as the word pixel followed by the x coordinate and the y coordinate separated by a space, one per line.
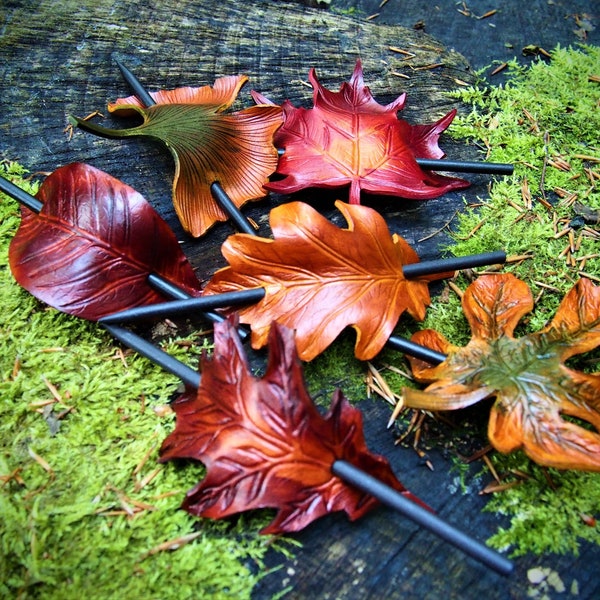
pixel 336 368
pixel 86 509
pixel 549 511
pixel 546 121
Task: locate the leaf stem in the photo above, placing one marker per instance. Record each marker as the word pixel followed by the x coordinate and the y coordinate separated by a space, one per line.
pixel 98 130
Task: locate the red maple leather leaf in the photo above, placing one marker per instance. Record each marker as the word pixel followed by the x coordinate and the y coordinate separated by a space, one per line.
pixel 347 138
pixel 265 444
pixel 92 246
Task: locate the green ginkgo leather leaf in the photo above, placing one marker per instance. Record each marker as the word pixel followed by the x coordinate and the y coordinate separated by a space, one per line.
pixel 235 149
pixel 542 405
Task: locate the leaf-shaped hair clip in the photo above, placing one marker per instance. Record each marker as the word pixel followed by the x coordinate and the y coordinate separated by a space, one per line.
pixel 541 405
pixel 89 246
pixel 265 444
pixel 208 145
pixel 348 139
pixel 319 278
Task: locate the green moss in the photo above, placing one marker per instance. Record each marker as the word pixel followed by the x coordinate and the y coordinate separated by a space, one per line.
pixel 336 368
pixel 563 104
pixel 77 520
pixel 545 517
pixel 544 113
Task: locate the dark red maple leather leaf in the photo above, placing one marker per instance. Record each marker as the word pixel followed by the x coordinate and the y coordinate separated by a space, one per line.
pixel 263 441
pixel 347 138
pixel 92 246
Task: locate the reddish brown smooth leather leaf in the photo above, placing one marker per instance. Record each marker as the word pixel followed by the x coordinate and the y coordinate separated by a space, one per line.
pixel 265 444
pixel 348 139
pixel 92 246
pixel 533 388
pixel 319 279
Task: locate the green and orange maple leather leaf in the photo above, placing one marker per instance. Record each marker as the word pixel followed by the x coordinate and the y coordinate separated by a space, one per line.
pixel 235 149
pixel 319 279
pixel 265 444
pixel 348 139
pixel 533 387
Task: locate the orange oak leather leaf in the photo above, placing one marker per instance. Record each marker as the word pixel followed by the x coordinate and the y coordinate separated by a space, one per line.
pixel 265 444
pixel 533 387
pixel 235 149
pixel 319 279
pixel 348 139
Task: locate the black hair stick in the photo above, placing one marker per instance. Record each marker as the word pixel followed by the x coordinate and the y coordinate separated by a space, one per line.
pixel 462 166
pixel 456 263
pixel 159 357
pixel 233 212
pixel 21 196
pixel 185 306
pixel 138 89
pixel 390 497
